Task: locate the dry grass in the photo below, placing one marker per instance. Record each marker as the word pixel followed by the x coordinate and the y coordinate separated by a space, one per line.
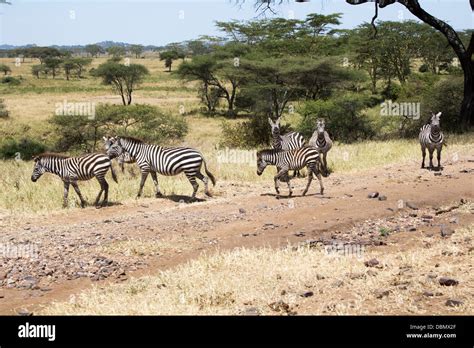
pixel 230 282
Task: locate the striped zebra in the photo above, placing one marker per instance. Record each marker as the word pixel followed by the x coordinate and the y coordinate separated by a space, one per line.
pixel 288 141
pixel 123 158
pixel 73 169
pixel 153 159
pixel 432 138
pixel 321 141
pixel 306 156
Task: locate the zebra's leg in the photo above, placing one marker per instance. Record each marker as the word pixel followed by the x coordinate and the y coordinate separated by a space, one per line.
pixel 423 152
pixel 192 179
pixel 282 174
pixel 142 183
pixel 104 187
pixel 325 164
pixel 431 158
pixel 438 153
pixel 66 192
pixel 122 166
pixel 78 192
pixel 158 194
pixel 205 180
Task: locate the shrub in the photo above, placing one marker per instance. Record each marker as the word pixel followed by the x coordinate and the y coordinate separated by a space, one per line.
pixel 247 134
pixel 445 96
pixel 10 80
pixel 25 148
pixel 80 132
pixel 3 110
pixel 343 115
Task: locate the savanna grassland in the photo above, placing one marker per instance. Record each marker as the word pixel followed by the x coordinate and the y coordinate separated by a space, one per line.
pixel 242 251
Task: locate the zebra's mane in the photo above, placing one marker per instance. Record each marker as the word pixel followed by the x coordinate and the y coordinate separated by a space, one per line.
pixel 50 155
pixel 267 152
pixel 133 140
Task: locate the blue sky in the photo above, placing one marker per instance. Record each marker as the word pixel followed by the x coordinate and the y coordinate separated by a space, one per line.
pixel 158 22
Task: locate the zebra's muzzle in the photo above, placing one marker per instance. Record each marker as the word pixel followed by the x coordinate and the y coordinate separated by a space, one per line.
pixel 34 179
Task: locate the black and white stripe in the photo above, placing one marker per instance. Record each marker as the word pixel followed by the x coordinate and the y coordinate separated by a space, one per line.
pixel 321 141
pixel 73 169
pixel 306 156
pixel 431 138
pixel 288 141
pixel 125 157
pixel 153 159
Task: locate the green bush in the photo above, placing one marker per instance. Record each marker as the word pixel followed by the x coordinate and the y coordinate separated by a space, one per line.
pixel 445 96
pixel 247 134
pixel 10 80
pixel 344 118
pixel 84 133
pixel 3 110
pixel 24 149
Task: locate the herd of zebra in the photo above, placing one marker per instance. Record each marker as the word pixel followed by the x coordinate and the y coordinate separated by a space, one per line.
pixel 289 152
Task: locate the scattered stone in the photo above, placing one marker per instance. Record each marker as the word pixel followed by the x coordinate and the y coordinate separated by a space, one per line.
pixel 306 294
pixel 373 195
pixel 24 313
pixel 454 220
pixel 411 205
pixel 437 174
pixel 413 214
pixel 283 293
pixel 446 231
pixel 299 234
pixel 426 216
pixel 371 263
pixel 381 293
pixel 251 311
pixel 448 281
pixel 411 228
pixel 372 273
pixel 337 284
pixel 453 303
pixel 428 294
pixel 382 198
pixel 279 306
pixel 242 211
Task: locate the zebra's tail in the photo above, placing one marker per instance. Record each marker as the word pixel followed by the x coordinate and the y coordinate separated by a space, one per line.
pixel 114 176
pixel 208 173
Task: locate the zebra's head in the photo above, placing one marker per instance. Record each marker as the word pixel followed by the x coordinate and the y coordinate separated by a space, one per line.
pixel 320 126
pixel 108 141
pixel 275 125
pixel 435 118
pixel 38 170
pixel 115 148
pixel 261 163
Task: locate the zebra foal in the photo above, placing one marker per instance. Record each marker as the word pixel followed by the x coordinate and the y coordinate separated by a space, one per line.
pixel 291 160
pixel 73 169
pixel 288 141
pixel 322 142
pixel 431 138
pixel 153 159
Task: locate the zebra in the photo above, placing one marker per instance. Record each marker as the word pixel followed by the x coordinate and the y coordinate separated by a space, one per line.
pixel 432 138
pixel 153 159
pixel 123 158
pixel 321 141
pixel 288 141
pixel 73 169
pixel 291 160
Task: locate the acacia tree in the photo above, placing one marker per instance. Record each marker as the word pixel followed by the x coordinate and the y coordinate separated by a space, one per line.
pixel 137 50
pixel 463 52
pixel 124 79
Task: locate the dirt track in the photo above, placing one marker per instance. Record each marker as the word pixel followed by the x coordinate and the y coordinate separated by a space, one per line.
pixel 78 248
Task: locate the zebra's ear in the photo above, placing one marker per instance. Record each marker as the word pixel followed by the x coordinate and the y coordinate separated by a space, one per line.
pixel 439 114
pixel 35 158
pixel 105 138
pixel 270 121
